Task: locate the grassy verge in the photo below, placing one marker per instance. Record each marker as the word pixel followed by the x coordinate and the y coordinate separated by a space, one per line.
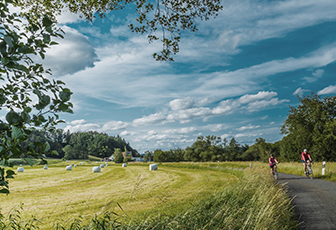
pixel 297 169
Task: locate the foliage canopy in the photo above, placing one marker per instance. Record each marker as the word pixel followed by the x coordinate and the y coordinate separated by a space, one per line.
pixel 311 126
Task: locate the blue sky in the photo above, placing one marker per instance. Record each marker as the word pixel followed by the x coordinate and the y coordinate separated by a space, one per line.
pixel 236 77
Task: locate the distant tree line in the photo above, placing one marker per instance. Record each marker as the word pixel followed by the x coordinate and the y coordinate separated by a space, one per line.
pixel 212 148
pixel 311 126
pixel 79 145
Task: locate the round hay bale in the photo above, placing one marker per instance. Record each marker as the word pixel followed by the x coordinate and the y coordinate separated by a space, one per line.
pixel 124 165
pixel 96 169
pixel 153 167
pixel 68 168
pixel 102 165
pixel 20 169
pixel 45 167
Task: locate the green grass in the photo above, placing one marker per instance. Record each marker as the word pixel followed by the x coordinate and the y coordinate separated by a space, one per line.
pixel 53 194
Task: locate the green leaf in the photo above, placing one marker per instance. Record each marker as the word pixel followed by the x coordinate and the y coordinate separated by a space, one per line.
pixel 10 173
pixel 5 191
pixel 5 60
pixel 9 42
pixel 65 96
pixel 46 146
pixel 12 117
pixel 29 161
pixel 54 152
pixel 46 21
pixel 17 133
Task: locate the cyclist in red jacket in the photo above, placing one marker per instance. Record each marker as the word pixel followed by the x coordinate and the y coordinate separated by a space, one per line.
pixel 305 157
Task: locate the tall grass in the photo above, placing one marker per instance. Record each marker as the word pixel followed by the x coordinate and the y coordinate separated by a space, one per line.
pixel 253 202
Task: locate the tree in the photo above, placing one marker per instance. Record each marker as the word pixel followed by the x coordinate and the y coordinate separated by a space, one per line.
pixel 148 155
pixel 32 99
pixel 169 16
pixel 310 126
pixel 118 157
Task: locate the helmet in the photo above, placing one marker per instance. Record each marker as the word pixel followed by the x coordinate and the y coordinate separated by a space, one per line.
pixel 305 150
pixel 271 155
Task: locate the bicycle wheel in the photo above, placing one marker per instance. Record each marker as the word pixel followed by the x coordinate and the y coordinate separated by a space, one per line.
pixel 311 175
pixel 275 174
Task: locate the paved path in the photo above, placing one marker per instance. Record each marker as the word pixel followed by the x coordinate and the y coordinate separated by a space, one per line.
pixel 314 201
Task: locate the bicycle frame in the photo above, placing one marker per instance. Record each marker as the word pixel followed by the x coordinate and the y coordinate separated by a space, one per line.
pixel 309 171
pixel 275 171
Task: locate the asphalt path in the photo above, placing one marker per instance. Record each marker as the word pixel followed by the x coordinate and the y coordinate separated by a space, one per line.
pixel 314 201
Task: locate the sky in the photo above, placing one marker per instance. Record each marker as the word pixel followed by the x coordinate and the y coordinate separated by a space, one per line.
pixel 234 78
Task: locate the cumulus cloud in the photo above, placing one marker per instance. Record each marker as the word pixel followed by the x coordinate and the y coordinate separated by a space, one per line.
pixel 331 89
pixel 179 104
pixel 74 53
pixel 82 127
pixel 127 133
pixel 150 119
pixel 264 95
pixel 114 125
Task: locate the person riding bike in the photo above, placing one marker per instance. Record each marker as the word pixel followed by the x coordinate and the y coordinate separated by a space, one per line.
pixel 272 163
pixel 305 158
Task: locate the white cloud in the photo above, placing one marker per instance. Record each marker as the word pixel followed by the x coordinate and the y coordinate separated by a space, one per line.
pixel 179 104
pixel 331 89
pixel 316 75
pixel 114 125
pixel 77 122
pixel 188 114
pixel 181 130
pixel 264 95
pixel 150 119
pixel 127 133
pixel 74 53
pixel 151 133
pixel 239 135
pixel 255 106
pixel 249 126
pixel 299 91
pixel 83 127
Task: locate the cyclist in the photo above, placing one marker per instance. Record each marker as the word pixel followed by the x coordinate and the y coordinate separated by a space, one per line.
pixel 272 163
pixel 305 158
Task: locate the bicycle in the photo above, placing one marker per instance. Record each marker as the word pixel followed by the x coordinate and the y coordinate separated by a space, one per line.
pixel 275 171
pixel 309 171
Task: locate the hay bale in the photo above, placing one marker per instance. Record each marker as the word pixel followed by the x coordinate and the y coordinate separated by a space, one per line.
pixel 20 169
pixel 75 166
pixel 102 165
pixel 124 165
pixel 45 167
pixel 107 164
pixel 153 167
pixel 96 169
pixel 68 168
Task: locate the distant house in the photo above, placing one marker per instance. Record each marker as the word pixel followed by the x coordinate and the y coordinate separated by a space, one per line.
pixel 110 158
pixel 138 159
pixel 127 154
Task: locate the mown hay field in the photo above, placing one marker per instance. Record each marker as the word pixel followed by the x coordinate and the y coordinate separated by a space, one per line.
pixel 55 194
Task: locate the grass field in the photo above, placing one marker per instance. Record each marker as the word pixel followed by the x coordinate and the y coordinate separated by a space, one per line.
pixel 56 194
